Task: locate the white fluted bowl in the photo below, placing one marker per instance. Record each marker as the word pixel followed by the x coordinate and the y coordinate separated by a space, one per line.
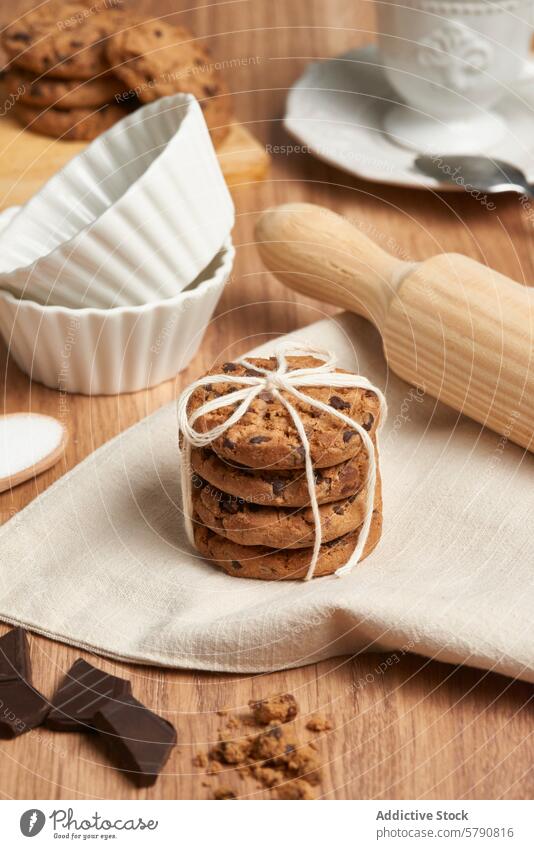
pixel 132 219
pixel 106 352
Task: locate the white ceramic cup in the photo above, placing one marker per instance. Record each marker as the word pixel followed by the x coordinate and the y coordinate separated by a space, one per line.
pixel 451 61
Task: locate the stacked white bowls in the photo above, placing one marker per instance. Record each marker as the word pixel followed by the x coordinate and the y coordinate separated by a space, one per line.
pixel 94 267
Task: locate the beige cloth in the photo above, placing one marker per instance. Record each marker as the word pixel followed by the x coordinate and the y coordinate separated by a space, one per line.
pixel 100 559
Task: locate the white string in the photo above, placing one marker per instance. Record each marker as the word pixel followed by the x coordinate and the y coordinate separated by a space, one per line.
pixel 278 381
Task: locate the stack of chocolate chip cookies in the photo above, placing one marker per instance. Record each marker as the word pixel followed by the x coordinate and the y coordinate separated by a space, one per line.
pixel 77 66
pixel 251 502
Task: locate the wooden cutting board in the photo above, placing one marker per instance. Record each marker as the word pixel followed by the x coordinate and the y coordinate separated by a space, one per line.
pixel 27 159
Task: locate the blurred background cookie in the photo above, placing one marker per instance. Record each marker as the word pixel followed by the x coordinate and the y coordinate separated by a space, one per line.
pixel 72 124
pixel 62 53
pixel 61 93
pixel 156 59
pixel 65 38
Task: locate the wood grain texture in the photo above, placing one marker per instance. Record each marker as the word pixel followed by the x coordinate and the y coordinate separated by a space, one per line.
pixel 28 159
pixel 422 729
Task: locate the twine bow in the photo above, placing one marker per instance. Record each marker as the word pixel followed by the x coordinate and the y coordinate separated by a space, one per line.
pixel 278 381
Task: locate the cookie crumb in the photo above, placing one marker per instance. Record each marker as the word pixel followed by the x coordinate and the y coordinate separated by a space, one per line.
pixel 269 752
pixel 233 751
pixel 280 708
pixel 224 793
pixel 319 722
pixel 299 788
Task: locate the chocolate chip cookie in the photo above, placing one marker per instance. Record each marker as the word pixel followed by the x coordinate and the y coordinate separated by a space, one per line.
pixel 266 437
pixel 267 564
pixel 156 59
pixel 65 38
pixel 73 124
pixel 277 527
pixel 280 488
pixel 61 93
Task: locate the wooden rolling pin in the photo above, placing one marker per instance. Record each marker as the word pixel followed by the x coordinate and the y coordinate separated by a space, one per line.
pixel 459 330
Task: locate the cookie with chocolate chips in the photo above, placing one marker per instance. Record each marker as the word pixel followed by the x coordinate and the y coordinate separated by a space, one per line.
pixel 64 38
pixel 156 59
pixel 281 488
pixel 46 91
pixel 267 564
pixel 73 124
pixel 277 527
pixel 266 437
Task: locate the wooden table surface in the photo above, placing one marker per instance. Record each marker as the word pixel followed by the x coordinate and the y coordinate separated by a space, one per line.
pixel 423 729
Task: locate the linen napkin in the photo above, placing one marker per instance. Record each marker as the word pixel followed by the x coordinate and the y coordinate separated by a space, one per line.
pixel 100 560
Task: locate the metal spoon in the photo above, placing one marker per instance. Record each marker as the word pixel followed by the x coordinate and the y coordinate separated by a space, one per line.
pixel 477 172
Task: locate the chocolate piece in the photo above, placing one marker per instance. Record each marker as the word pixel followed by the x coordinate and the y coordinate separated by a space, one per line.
pixel 14 656
pixel 138 740
pixel 338 403
pixel 21 706
pixel 84 690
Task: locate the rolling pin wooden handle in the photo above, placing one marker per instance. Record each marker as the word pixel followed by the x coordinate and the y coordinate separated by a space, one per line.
pixel 322 255
pixel 461 331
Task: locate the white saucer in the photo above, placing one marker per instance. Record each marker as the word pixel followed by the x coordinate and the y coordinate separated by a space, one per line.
pixel 336 109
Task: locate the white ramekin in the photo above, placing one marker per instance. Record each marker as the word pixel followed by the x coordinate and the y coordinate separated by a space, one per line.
pixel 132 219
pixel 105 352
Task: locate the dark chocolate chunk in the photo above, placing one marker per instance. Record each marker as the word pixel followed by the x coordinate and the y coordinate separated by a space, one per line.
pixel 231 505
pixel 139 742
pixel 14 656
pixel 257 440
pixel 21 706
pixel 348 434
pixel 275 732
pixel 278 486
pixel 229 367
pixel 84 690
pixel 228 443
pixel 338 403
pixel 368 421
pixel 236 564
